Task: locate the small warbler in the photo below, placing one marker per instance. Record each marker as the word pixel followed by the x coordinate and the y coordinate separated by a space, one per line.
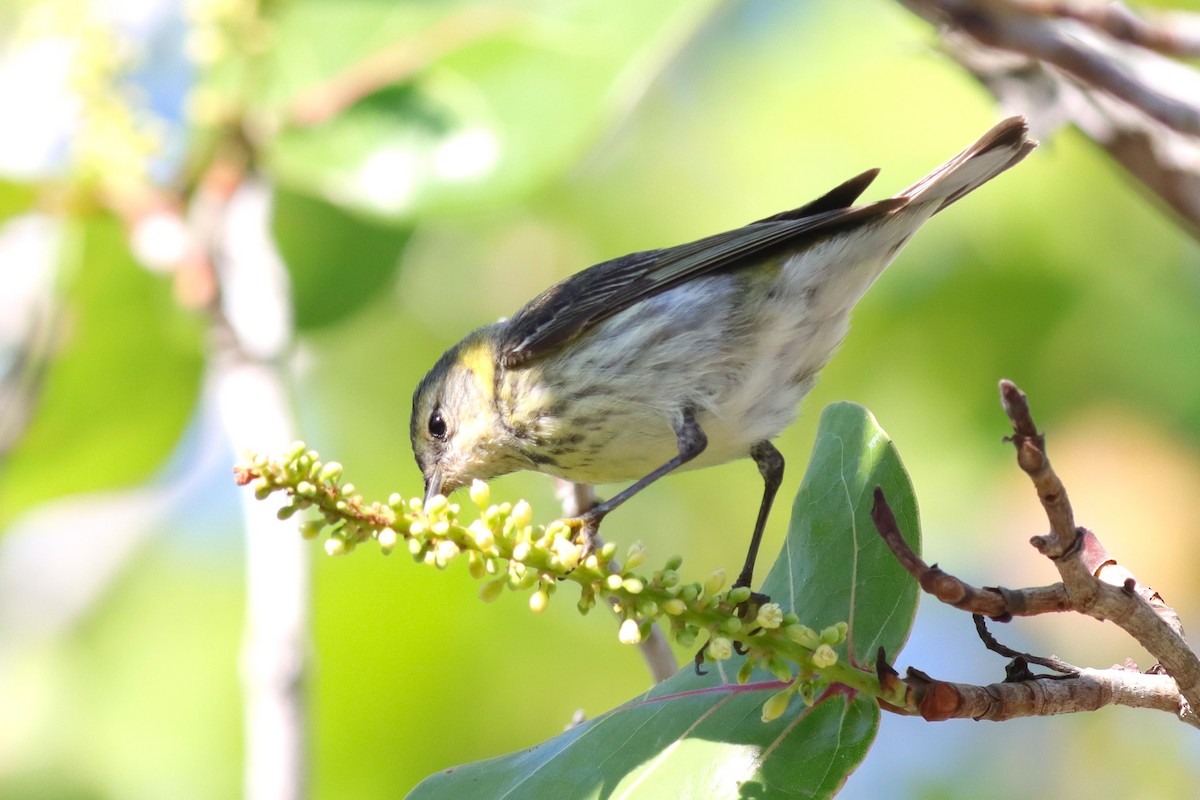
pixel 677 358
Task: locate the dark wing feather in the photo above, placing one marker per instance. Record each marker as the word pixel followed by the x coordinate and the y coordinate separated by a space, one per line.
pixel 568 308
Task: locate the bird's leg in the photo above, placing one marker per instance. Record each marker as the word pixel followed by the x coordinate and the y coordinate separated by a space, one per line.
pixel 691 440
pixel 770 466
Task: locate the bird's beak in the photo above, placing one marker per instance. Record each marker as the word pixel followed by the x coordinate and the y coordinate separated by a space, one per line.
pixel 433 485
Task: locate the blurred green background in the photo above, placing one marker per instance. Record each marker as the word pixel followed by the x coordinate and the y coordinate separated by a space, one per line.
pixel 512 144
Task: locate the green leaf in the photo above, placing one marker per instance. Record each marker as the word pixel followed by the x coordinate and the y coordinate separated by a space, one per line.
pixel 702 736
pixel 119 391
pixel 833 556
pixel 338 261
pixel 481 104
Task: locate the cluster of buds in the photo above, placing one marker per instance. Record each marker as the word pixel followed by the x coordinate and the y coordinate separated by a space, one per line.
pixel 503 548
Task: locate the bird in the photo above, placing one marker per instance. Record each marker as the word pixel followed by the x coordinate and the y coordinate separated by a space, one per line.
pixel 677 358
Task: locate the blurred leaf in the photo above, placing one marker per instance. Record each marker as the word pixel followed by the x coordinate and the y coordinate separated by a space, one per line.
pixel 338 261
pixel 481 105
pixel 15 198
pixel 120 390
pixel 702 736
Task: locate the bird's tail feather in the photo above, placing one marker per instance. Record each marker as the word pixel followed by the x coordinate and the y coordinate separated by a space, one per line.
pixel 997 150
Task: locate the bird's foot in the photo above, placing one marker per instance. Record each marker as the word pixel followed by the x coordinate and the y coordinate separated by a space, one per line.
pixel 586 533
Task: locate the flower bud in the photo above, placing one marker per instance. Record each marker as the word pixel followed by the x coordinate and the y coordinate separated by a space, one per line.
pixel 387 539
pixel 330 472
pixel 776 705
pixel 674 606
pixel 336 546
pixel 630 633
pixel 436 505
pixel 480 494
pixel 770 616
pixel 539 600
pixel 715 582
pixel 522 514
pixel 823 657
pixel 803 636
pixel 720 648
pixel 490 591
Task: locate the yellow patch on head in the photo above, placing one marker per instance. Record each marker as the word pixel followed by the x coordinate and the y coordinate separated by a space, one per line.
pixel 479 358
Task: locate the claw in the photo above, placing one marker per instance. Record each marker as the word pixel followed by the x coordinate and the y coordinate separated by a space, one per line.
pixel 699 662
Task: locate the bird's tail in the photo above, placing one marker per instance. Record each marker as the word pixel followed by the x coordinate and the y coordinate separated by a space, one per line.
pixel 997 150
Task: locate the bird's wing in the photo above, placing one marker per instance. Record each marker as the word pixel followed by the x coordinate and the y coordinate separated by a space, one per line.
pixel 569 308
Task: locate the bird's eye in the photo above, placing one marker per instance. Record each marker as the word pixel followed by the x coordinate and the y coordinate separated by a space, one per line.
pixel 437 426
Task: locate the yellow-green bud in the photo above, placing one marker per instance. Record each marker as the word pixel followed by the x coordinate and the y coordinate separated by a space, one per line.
pixel 440 528
pixel 780 669
pixel 436 505
pixel 803 635
pixel 539 600
pixel 446 551
pixel 831 635
pixel 630 632
pixel 567 553
pixel 336 546
pixel 823 657
pixel 673 563
pixel 731 625
pixel 635 557
pixel 521 551
pixel 395 501
pixel 776 705
pixel 348 489
pixel 490 591
pixel 608 550
pixel 330 472
pixel 769 616
pixel 306 489
pixel 720 648
pixel 674 606
pixel 739 594
pixel 480 494
pixel 633 585
pixel 311 529
pixel 522 514
pixel 475 565
pixel 387 539
pixel 715 582
pixel 647 608
pixel 482 534
pixel 614 582
pixel 745 670
pixel 686 636
pixel 295 450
